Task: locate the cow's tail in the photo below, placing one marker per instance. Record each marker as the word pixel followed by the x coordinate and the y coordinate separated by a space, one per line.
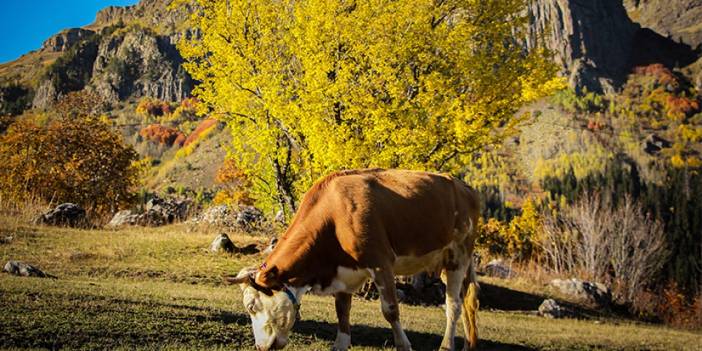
pixel 470 307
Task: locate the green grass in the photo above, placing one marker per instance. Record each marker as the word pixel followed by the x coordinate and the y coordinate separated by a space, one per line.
pixel 159 288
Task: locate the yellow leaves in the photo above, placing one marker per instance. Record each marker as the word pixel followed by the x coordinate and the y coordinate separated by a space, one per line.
pixel 321 85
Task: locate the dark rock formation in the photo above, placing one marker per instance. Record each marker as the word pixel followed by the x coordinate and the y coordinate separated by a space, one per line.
pixel 66 214
pixel 591 39
pixel 66 39
pixel 597 44
pixel 679 20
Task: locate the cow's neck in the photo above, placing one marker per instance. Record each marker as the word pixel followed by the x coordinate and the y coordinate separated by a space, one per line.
pixel 308 254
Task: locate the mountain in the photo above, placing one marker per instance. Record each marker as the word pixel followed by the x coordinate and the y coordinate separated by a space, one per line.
pixel 597 44
pixel 129 54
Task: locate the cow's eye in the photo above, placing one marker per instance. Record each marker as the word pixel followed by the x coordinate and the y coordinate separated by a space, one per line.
pixel 251 308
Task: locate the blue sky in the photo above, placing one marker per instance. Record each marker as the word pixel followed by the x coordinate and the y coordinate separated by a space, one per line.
pixel 25 24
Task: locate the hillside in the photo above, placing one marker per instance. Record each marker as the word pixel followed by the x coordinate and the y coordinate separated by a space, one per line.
pixel 129 54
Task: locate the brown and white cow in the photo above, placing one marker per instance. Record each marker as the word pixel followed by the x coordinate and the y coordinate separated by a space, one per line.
pixel 361 224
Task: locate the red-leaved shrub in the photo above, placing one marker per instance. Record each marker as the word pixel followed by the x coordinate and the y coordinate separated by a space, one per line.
pixel 161 134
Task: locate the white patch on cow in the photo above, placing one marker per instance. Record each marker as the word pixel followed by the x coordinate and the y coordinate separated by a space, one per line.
pixel 342 342
pixel 346 280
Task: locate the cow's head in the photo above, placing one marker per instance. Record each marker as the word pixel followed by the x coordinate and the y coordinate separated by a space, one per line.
pixel 272 306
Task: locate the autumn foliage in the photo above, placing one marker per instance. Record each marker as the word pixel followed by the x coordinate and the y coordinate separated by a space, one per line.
pixel 71 157
pixel 201 129
pixel 235 185
pixel 163 135
pixel 310 87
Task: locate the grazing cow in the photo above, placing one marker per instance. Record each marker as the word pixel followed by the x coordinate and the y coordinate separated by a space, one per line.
pixel 361 224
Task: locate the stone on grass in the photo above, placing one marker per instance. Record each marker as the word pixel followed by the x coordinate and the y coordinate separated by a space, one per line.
pixel 245 218
pixel 23 269
pixel 66 214
pixel 222 243
pixel 597 293
pixel 497 268
pixel 124 217
pixel 551 309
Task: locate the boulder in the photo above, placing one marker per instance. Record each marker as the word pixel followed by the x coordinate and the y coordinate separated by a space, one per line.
pixel 222 243
pixel 125 217
pixel 497 268
pixel 551 309
pixel 245 218
pixel 168 210
pixel 216 215
pixel 66 214
pixel 24 270
pixel 248 217
pixel 597 293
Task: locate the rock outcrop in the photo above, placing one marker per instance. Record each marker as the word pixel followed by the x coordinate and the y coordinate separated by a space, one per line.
pixel 66 39
pixel 591 40
pixel 139 63
pixel 678 20
pixel 597 44
pixel 128 53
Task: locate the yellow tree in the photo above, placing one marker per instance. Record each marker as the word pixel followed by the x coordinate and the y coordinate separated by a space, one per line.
pixel 311 86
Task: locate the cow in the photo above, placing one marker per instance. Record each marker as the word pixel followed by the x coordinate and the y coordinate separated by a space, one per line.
pixel 365 224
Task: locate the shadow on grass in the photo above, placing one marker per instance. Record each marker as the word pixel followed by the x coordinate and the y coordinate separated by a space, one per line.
pixel 500 298
pixel 370 336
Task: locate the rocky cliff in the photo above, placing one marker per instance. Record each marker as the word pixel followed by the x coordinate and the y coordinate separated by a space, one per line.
pixel 591 39
pixel 679 20
pixel 597 44
pixel 129 52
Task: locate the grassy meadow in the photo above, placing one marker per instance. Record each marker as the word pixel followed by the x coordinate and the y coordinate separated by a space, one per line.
pixel 160 288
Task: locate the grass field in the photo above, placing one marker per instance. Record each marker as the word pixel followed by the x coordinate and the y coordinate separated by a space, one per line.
pixel 142 288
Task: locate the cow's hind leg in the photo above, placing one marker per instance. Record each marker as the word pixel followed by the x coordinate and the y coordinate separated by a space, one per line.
pixel 385 281
pixel 343 310
pixel 454 283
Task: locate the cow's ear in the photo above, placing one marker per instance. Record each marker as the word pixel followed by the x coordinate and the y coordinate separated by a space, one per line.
pixel 269 278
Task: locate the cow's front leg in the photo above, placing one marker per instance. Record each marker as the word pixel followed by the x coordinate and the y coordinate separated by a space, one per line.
pixel 343 310
pixel 385 281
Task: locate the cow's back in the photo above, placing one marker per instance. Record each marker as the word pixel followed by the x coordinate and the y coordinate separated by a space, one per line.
pixel 383 214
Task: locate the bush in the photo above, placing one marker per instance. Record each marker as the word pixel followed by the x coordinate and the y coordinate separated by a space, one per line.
pixel 70 158
pixel 517 239
pixel 622 245
pixel 161 134
pixel 235 185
